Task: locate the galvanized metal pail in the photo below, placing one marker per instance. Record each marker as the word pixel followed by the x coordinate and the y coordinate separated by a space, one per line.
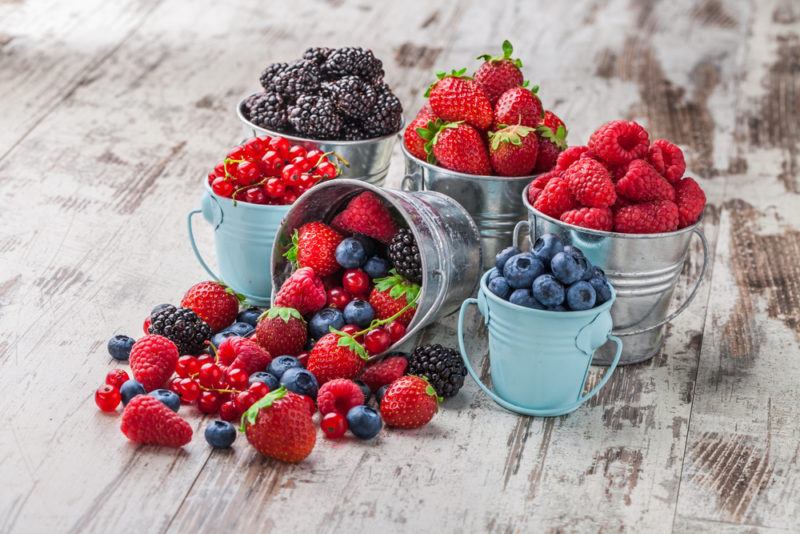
pixel 539 359
pixel 643 268
pixel 491 200
pixel 447 238
pixel 368 160
pixel 243 235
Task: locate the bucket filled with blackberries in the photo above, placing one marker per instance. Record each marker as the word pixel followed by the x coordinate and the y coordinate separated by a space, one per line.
pixel 547 312
pixel 366 268
pixel 481 139
pixel 335 99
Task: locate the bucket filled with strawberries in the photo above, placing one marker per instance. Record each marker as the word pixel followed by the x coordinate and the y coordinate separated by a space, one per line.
pixel 626 202
pixel 481 139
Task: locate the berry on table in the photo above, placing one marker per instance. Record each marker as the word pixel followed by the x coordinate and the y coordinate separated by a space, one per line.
pixel 181 326
pixel 338 297
pixel 130 389
pixel 229 411
pixel 364 422
pixel 377 340
pixel 339 395
pixel 442 366
pixel 220 434
pixel 336 356
pixel 300 381
pixel 189 390
pixel 384 372
pixel 334 425
pixel 325 319
pixel 186 366
pixel 241 329
pixel 237 378
pixel 380 393
pixel 409 402
pixel 250 356
pixel 282 330
pixel 209 402
pixel 119 347
pixel 358 312
pixel 364 389
pixel 216 304
pixel 219 338
pixel 268 379
pixel 153 359
pixel 281 364
pixel 169 398
pixel 149 421
pixel 107 397
pixel 209 375
pixel 117 377
pixel 258 389
pixel 279 426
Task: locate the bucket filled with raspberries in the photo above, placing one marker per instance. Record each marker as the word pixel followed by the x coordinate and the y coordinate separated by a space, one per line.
pixel 335 99
pixel 625 201
pixel 480 139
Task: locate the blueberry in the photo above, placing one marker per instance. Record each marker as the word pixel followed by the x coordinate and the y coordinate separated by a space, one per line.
pixel 364 389
pixel 546 246
pixel 376 267
pixel 548 291
pixel 250 315
pixel 268 379
pixel 119 347
pixel 504 255
pixel 581 296
pixel 170 398
pixel 158 309
pixel 359 312
pixel 380 393
pixel 493 273
pixel 320 324
pixel 575 252
pixel 281 364
pixel 499 286
pixel 350 253
pixel 368 243
pixel 301 381
pixel 568 268
pixel 129 389
pixel 220 434
pixel 364 422
pixel 520 270
pixel 523 297
pixel 221 336
pixel 241 329
pixel 601 288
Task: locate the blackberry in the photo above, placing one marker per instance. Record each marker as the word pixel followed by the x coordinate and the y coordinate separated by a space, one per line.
pixel 404 255
pixel 269 74
pixel 353 61
pixel 317 54
pixel 267 110
pixel 316 117
pixel 353 130
pixel 299 78
pixel 353 96
pixel 442 367
pixel 183 327
pixel 386 116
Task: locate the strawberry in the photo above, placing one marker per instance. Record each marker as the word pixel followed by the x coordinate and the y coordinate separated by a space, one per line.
pixel 367 215
pixel 498 74
pixel 412 138
pixel 513 150
pixel 457 98
pixel 282 331
pixel 303 291
pixel 384 372
pixel 552 121
pixel 391 295
pixel 153 360
pixel 336 355
pixel 149 421
pixel 409 402
pixel 248 355
pixel 551 143
pixel 314 245
pixel 214 303
pixel 280 427
pixel 459 147
pixel 518 105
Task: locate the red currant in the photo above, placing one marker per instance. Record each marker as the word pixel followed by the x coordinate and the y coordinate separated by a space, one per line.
pixel 258 389
pixel 222 187
pixel 314 155
pixel 237 378
pixel 247 173
pixel 174 385
pixel 219 170
pixel 146 325
pixel 334 425
pixel 190 390
pixel 377 340
pixel 306 182
pixel 271 163
pixel 107 398
pixel 350 329
pixel 290 196
pixel 396 330
pixel 327 170
pixel 255 195
pixel 254 148
pixel 302 163
pixel 211 178
pixel 338 298
pixel 274 188
pixel 297 151
pixel 209 375
pixel 356 282
pixel 244 400
pixel 208 402
pixel 291 174
pixel 204 359
pixel 117 377
pixel 236 153
pixel 281 146
pixel 187 366
pixel 228 411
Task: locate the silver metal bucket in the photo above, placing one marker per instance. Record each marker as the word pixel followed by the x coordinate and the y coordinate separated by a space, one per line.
pixel 493 201
pixel 446 235
pixel 368 160
pixel 644 269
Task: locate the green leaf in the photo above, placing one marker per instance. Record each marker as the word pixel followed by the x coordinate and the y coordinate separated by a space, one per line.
pixel 507 49
pixel 535 90
pixel 250 416
pixel 241 298
pixel 349 342
pixel 286 314
pixel 291 254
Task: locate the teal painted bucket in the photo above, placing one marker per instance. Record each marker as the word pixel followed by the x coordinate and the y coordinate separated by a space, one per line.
pixel 243 234
pixel 539 359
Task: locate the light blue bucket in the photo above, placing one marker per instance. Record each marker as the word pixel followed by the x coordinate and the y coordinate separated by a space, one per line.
pixel 244 234
pixel 540 359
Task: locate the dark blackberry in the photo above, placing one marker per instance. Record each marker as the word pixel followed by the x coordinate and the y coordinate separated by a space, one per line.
pixel 353 130
pixel 183 327
pixel 267 110
pixel 404 255
pixel 386 116
pixel 353 96
pixel 442 367
pixel 316 117
pixel 297 79
pixel 317 54
pixel 353 61
pixel 269 74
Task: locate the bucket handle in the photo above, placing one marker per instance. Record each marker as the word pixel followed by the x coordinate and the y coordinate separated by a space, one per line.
pixel 550 412
pixel 197 254
pixel 437 303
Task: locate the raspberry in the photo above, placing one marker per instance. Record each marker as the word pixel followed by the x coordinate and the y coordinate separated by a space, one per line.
pixel 667 159
pixel 339 396
pixel 303 291
pixel 590 183
pixel 647 218
pixel 691 200
pixel 149 421
pixel 642 183
pixel 250 356
pixel 555 198
pixel 617 171
pixel 538 183
pixel 595 218
pixel 366 214
pixel 618 142
pixel 384 372
pixel 570 156
pixel 153 360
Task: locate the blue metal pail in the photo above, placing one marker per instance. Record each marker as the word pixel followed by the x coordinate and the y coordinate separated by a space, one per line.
pixel 539 359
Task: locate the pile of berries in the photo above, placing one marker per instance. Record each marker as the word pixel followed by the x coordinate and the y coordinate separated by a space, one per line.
pixel 489 124
pixel 552 276
pixel 620 181
pixel 271 170
pixel 331 93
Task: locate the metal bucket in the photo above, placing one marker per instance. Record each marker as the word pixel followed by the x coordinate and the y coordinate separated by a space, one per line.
pixel 368 160
pixel 446 235
pixel 643 268
pixel 243 235
pixel 493 201
pixel 539 359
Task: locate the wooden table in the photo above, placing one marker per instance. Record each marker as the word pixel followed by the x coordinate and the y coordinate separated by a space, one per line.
pixel 112 113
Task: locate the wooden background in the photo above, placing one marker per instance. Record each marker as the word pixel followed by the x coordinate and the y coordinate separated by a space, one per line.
pixel 112 113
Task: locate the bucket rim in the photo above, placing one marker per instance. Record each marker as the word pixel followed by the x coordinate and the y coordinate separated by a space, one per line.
pixel 298 139
pixel 602 233
pixel 225 201
pixel 548 313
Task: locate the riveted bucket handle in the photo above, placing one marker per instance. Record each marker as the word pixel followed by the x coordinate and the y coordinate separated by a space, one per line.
pixel 517 236
pixel 197 254
pixel 550 412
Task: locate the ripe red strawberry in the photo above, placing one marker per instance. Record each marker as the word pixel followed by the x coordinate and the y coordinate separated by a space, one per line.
pixel 282 331
pixel 367 215
pixel 552 121
pixel 642 183
pixel 339 395
pixel 667 159
pixel 647 218
pixel 249 356
pixel 590 183
pixel 412 138
pixel 570 156
pixel 619 142
pixel 551 144
pixel 513 150
pixel 280 427
pixel 303 291
pixel 384 372
pixel 336 355
pixel 595 218
pixel 459 147
pixel 153 360
pixel 314 245
pixel 691 201
pixel 391 294
pixel 457 98
pixel 214 303
pixel 498 74
pixel 149 421
pixel 409 402
pixel 538 183
pixel 556 197
pixel 518 105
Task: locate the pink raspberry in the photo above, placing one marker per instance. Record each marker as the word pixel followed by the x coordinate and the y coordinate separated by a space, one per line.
pixel 555 198
pixel 303 291
pixel 147 420
pixel 667 159
pixel 538 183
pixel 619 142
pixel 647 218
pixel 384 372
pixel 339 395
pixel 642 183
pixel 570 156
pixel 691 201
pixel 153 360
pixel 590 183
pixel 595 218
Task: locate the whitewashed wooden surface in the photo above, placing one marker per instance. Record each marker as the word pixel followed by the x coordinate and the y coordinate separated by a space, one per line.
pixel 112 112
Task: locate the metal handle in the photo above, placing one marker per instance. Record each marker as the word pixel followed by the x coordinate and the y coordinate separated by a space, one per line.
pixel 413 179
pixel 515 238
pixel 197 254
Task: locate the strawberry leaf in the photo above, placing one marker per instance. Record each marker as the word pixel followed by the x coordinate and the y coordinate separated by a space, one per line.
pixel 398 287
pixel 250 416
pixel 349 342
pixel 291 254
pixel 286 314
pixel 241 298
pixel 509 134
